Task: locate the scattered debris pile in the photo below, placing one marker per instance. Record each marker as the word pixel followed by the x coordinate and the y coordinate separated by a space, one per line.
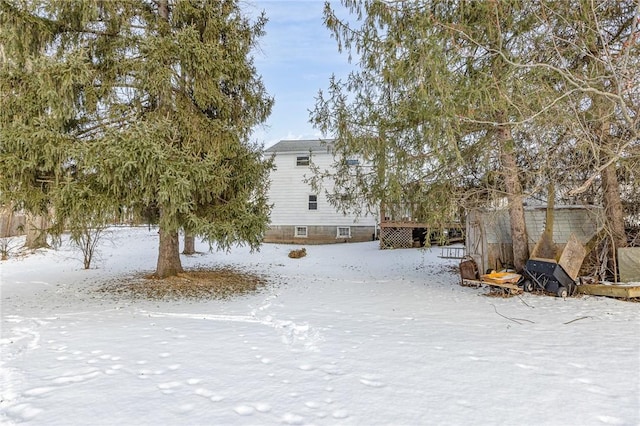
pixel 297 254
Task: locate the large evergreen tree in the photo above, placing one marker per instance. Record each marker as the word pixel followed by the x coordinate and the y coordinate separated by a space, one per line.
pixel 110 105
pixel 458 95
pixel 432 104
pixel 590 53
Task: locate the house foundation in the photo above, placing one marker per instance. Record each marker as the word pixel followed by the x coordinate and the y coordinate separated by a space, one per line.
pixel 318 234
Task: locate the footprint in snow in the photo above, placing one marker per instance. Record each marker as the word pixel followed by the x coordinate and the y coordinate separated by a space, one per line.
pixel 526 366
pixel 76 378
pixel 168 387
pixel 186 408
pixel 39 391
pixel 597 390
pixel 609 420
pixel 263 407
pixel 204 392
pixel 23 412
pixel 244 410
pixel 306 367
pixel 340 414
pixel 372 380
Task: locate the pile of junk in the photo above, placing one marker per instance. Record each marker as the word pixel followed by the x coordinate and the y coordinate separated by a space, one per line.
pixel 556 275
pixel 547 269
pixel 555 271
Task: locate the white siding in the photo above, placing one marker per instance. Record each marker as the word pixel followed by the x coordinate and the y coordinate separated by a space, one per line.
pixel 289 194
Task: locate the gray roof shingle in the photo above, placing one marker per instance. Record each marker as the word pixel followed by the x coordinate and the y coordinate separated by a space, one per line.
pixel 301 146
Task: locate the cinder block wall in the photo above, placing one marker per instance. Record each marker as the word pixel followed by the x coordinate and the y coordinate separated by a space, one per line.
pixel 317 235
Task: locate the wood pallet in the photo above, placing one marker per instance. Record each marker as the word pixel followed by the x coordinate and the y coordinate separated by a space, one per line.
pixel 611 290
pixel 504 287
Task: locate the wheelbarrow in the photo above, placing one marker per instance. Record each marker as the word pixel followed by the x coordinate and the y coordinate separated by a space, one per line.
pixel 547 275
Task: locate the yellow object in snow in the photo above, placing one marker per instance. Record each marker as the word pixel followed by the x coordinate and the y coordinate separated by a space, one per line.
pixel 501 277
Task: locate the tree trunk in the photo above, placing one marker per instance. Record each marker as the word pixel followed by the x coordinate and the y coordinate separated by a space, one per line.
pixel 168 255
pixel 169 251
pixel 546 247
pixel 36 230
pixel 514 196
pixel 613 214
pixel 611 202
pixel 189 244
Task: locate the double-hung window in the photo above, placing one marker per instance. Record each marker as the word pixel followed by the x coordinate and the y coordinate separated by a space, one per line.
pixel 313 202
pixel 302 160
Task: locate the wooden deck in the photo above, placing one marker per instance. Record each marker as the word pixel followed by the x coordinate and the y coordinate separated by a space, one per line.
pixel 402 224
pixel 399 233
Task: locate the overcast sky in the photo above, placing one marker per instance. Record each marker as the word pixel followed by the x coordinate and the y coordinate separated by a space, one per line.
pixel 296 60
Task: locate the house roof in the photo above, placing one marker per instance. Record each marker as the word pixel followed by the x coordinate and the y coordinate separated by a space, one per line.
pixel 301 146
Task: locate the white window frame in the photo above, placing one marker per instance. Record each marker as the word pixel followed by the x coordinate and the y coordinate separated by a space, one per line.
pixel 338 235
pixel 303 160
pixel 299 234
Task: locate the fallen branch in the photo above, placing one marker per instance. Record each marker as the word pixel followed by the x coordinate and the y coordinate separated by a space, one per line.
pixel 522 300
pixel 516 320
pixel 577 319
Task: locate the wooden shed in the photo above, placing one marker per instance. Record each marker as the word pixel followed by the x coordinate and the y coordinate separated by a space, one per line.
pixel 488 232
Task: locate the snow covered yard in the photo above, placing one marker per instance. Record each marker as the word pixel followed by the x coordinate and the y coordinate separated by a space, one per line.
pixel 348 335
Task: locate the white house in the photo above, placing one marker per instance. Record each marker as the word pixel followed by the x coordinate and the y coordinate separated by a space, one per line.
pixel 299 214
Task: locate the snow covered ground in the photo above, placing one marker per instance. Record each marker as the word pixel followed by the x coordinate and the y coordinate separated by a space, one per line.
pixel 349 335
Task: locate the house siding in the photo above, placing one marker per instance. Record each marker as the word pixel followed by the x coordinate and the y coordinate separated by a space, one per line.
pixel 289 195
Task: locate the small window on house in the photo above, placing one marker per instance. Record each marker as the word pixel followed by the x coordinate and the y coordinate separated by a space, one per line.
pixel 302 160
pixel 344 232
pixel 313 202
pixel 301 231
pixel 352 162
